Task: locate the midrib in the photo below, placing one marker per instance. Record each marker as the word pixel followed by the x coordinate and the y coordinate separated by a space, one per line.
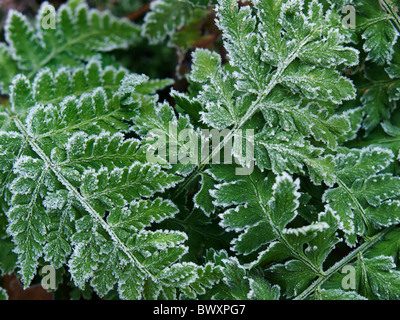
pixel 61 49
pixel 255 107
pixel 92 212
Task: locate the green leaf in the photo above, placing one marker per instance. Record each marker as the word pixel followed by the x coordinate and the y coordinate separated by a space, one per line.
pixel 337 294
pixel 8 258
pixel 379 33
pixel 362 199
pixel 262 290
pixel 389 246
pixel 377 107
pixel 293 275
pixel 376 278
pixel 287 89
pixel 3 294
pixel 202 199
pixel 80 34
pixel 239 284
pixel 262 217
pixel 318 83
pixel 166 17
pixel 80 194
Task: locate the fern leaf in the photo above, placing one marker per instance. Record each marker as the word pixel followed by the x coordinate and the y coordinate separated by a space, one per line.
pixel 337 294
pixel 239 284
pixel 363 197
pixel 379 34
pixel 166 17
pixel 70 165
pixel 376 278
pixel 262 217
pixel 80 34
pixel 281 87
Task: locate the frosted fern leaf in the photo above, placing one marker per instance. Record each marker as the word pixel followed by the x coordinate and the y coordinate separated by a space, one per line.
pixel 296 87
pixel 262 217
pixel 78 193
pixel 79 34
pixel 168 16
pixel 364 199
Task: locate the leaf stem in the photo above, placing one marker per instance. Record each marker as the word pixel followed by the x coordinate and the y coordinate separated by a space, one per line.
pixel 355 200
pixel 281 236
pixel 92 212
pixel 389 8
pixel 339 265
pixel 255 106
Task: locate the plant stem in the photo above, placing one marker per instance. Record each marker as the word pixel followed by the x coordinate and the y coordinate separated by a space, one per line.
pixel 339 265
pixel 82 200
pixel 389 8
pixel 356 202
pixel 254 108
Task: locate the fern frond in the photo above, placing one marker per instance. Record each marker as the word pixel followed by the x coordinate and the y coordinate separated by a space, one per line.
pixel 166 17
pixel 364 196
pixel 296 81
pixel 80 34
pixel 79 193
pixel 262 217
